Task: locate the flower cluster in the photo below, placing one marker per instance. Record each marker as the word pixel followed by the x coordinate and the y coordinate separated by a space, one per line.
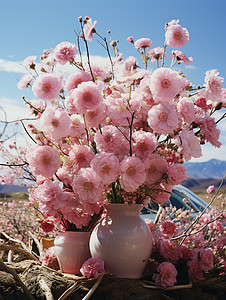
pixel 117 133
pixel 187 252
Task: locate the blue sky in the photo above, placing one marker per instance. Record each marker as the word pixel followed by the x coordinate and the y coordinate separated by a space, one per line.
pixel 26 28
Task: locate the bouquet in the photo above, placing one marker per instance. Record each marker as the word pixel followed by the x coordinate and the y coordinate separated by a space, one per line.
pixel 118 132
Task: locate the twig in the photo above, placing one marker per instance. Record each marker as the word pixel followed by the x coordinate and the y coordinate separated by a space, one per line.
pixel 170 288
pixel 93 288
pixel 45 288
pixel 15 240
pixel 158 214
pixel 76 285
pixel 17 249
pixel 36 241
pixel 7 269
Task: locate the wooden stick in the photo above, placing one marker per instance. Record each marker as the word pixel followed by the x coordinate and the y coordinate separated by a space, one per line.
pixel 45 288
pixel 7 269
pixel 94 287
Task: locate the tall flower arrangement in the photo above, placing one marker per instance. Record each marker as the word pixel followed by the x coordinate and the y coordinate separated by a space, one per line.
pixel 116 133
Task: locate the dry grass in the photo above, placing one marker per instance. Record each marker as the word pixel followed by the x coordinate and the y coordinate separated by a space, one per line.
pixel 220 198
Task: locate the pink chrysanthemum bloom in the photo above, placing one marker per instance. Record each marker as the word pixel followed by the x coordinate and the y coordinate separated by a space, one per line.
pixel 87 96
pixel 55 123
pixel 81 156
pixel 210 131
pixel 65 52
pixel 29 62
pixel 89 29
pixel 144 143
pixel 92 267
pixel 167 275
pixel 176 36
pixel 180 56
pixel 189 144
pixel 132 173
pixel 155 54
pixel 47 87
pixel 143 43
pixel 25 81
pixel 163 118
pixel 44 160
pixel 213 84
pixel 87 185
pixel 106 165
pixel 155 167
pixel 166 84
pixel 75 79
pixel 176 174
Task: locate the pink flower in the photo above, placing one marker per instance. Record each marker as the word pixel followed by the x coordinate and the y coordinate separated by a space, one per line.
pixel 190 145
pixel 81 156
pixel 55 123
pixel 44 161
pixel 185 253
pixel 187 109
pixel 47 256
pixel 96 117
pixel 166 84
pixel 207 258
pixel 47 225
pixel 29 62
pixel 87 185
pixel 170 250
pixel 50 197
pixel 155 167
pixel 130 63
pixel 200 100
pixel 65 52
pixel 167 275
pixel 195 271
pixel 180 56
pixel 161 193
pixel 168 227
pixel 132 173
pixel 75 79
pixel 213 84
pixel 130 39
pixel 106 165
pixel 211 189
pixel 46 87
pixel 92 267
pixel 89 29
pixel 143 43
pixel 87 96
pixel 176 174
pixel 176 36
pixel 144 143
pixel 118 110
pixel 155 54
pixel 25 81
pixel 210 131
pixel 163 118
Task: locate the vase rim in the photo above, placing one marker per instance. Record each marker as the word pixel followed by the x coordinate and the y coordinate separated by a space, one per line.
pixel 124 208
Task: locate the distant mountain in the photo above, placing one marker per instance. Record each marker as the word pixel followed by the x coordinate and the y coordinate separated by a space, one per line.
pixel 214 169
pixel 11 188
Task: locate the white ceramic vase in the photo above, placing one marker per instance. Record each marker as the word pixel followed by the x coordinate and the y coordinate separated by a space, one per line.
pixel 123 240
pixel 72 250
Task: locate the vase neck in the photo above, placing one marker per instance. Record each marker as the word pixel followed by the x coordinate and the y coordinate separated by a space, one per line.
pixel 123 209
